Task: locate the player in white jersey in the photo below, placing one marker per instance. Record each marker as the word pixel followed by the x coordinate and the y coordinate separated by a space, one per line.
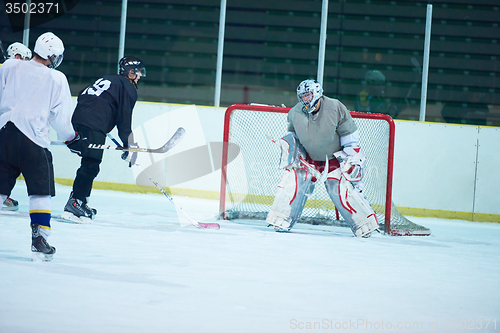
pixel 15 51
pixel 33 97
pixel 322 135
pixel 18 51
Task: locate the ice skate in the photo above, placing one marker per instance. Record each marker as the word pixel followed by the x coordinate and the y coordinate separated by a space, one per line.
pixel 78 211
pixel 39 246
pixel 278 229
pixel 10 204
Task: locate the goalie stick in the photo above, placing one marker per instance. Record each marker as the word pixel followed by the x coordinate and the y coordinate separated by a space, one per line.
pixel 320 176
pixel 199 225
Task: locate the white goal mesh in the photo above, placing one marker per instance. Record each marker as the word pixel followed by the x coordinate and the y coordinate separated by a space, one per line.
pixel 250 172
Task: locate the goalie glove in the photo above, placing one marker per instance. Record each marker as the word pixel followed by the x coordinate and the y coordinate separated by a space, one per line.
pixel 355 156
pixel 352 159
pixel 291 151
pixel 352 162
pixel 350 166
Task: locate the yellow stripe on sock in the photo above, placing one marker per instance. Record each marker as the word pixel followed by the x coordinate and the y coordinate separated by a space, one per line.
pixel 41 211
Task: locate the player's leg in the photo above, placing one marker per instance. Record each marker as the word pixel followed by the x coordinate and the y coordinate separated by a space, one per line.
pixel 40 214
pixel 82 187
pixel 38 171
pixel 351 204
pixel 10 204
pixel 77 208
pixel 9 169
pixel 290 199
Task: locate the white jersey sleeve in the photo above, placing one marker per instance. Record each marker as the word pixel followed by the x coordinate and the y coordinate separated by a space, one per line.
pixel 62 109
pixel 33 97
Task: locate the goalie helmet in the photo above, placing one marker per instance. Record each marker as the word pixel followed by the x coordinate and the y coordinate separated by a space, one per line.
pixel 130 63
pixel 309 92
pixel 18 48
pixel 49 46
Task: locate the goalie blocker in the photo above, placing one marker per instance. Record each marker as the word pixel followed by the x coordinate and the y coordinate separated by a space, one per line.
pixel 298 182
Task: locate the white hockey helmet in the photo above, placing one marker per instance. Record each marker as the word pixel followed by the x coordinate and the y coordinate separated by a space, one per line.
pixel 309 92
pixel 18 48
pixel 49 46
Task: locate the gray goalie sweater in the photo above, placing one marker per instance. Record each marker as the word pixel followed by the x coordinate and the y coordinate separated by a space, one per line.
pixel 105 104
pixel 320 133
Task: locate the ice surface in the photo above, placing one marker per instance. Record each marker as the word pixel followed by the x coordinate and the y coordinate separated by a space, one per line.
pixel 135 269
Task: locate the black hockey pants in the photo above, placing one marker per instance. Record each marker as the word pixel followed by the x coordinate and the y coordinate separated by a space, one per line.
pixel 89 167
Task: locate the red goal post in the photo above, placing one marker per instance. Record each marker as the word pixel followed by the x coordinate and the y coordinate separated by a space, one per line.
pixel 250 173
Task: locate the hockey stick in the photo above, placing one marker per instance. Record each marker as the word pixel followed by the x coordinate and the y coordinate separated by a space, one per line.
pixel 416 65
pixel 3 52
pixel 163 149
pixel 199 225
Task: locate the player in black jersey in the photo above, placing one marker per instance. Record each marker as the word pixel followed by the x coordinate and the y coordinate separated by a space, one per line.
pixel 106 103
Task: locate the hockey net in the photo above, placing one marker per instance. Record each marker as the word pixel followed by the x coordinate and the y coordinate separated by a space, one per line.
pixel 250 173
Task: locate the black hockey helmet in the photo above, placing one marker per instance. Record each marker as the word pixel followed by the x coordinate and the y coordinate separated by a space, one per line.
pixel 128 63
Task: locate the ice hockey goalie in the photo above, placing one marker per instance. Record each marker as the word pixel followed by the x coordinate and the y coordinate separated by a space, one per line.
pixel 322 146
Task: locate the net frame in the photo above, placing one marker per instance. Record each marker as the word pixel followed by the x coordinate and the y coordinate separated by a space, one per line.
pixel 391 221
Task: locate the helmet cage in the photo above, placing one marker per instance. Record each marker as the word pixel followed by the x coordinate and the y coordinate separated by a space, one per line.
pixel 131 65
pixel 55 60
pixel 138 70
pixel 308 93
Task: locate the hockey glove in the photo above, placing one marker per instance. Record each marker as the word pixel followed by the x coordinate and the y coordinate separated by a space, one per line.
pixel 352 163
pixel 78 145
pixel 291 151
pixel 352 149
pixel 125 155
pixel 355 155
pixel 133 157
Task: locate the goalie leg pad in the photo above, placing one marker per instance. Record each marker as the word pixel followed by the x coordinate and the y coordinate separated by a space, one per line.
pixel 353 206
pixel 290 199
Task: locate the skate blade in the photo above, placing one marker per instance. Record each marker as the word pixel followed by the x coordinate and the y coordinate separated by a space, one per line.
pixel 39 256
pixel 72 218
pixel 10 208
pixel 278 227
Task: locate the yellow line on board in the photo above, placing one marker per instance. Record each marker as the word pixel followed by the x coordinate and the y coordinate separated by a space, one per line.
pixel 214 195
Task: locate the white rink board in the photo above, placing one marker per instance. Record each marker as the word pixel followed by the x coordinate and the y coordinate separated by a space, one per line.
pixel 435 164
pixel 488 177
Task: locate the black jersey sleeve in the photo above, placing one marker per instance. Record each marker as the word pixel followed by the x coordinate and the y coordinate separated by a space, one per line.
pixel 126 105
